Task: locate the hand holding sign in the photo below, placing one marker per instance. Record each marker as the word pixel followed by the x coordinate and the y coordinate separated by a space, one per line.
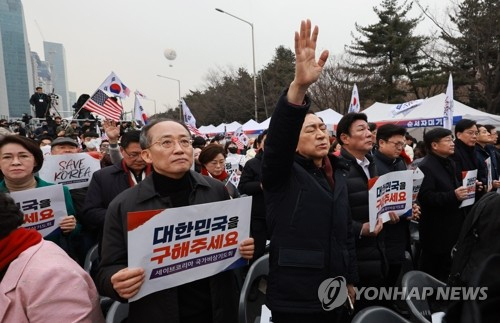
pixel 461 193
pixel 67 224
pixel 365 229
pixel 128 281
pixel 247 248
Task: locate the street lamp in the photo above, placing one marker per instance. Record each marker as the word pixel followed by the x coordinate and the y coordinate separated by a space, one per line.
pixel 180 103
pixel 253 54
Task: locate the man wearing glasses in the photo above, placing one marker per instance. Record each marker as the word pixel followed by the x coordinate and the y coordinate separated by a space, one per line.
pixel 110 181
pixel 166 144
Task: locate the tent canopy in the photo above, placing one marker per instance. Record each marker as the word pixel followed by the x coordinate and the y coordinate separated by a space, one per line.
pixel 427 114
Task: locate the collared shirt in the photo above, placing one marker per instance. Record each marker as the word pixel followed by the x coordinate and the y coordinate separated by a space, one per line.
pixel 365 163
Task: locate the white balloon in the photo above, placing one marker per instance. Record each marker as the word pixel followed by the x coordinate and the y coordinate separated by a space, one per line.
pixel 170 54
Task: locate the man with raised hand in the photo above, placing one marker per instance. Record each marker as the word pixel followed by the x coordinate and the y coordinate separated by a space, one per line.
pixel 306 201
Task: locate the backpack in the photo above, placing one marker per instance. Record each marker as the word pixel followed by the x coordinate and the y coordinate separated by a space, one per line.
pixel 478 239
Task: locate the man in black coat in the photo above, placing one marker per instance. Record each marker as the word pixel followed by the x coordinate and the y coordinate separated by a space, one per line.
pixel 110 181
pixel 41 102
pixel 390 143
pixel 354 134
pixel 251 184
pixel 166 144
pixel 306 202
pixel 440 197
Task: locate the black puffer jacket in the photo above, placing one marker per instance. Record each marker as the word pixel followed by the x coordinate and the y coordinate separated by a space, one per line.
pixel 370 251
pixel 397 235
pixel 308 222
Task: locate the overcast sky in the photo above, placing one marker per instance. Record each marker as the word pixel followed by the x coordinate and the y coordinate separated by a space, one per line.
pixel 129 37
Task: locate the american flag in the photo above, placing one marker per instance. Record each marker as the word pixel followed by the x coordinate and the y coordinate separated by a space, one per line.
pixel 193 130
pixel 103 105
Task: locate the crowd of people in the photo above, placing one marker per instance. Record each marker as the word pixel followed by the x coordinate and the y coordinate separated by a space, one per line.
pixel 310 208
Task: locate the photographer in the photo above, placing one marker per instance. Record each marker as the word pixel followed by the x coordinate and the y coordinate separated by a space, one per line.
pixel 41 102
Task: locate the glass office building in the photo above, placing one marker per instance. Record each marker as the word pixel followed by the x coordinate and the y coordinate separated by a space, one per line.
pixel 16 75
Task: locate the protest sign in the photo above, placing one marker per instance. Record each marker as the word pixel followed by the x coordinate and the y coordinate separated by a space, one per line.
pixel 42 207
pixel 469 181
pixel 489 179
pixel 46 151
pixel 391 192
pixel 180 245
pixel 71 170
pixel 418 178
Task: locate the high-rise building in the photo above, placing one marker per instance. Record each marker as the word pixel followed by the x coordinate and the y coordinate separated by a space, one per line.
pixel 56 57
pixel 16 74
pixel 72 100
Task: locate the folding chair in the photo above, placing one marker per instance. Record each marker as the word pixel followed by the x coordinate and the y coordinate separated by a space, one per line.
pixel 259 268
pixel 419 308
pixel 378 314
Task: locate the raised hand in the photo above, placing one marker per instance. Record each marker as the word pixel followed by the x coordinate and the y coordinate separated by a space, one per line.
pixel 111 130
pixel 307 69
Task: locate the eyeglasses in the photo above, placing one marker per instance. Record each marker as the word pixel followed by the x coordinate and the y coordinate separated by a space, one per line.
pixel 398 145
pixel 169 143
pixel 21 157
pixel 132 155
pixel 472 132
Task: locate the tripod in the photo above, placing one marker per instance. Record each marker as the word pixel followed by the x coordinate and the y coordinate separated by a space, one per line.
pixel 53 103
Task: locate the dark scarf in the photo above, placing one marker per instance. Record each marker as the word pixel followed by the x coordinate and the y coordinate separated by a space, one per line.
pixel 15 243
pixel 129 173
pixel 221 177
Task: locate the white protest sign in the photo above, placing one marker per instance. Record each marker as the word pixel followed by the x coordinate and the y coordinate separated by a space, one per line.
pixel 46 150
pixel 489 178
pixel 469 181
pixel 418 178
pixel 180 245
pixel 391 192
pixel 42 207
pixel 71 170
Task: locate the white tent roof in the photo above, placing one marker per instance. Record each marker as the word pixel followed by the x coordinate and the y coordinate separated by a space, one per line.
pixel 233 126
pixel 429 113
pixel 265 124
pixel 329 116
pixel 251 125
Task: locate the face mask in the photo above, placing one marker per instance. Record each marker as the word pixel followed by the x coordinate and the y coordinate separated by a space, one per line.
pixel 93 143
pixel 232 150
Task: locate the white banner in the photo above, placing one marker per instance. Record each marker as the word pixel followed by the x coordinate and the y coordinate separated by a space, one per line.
pixel 72 170
pixel 489 179
pixel 391 192
pixel 42 207
pixel 180 245
pixel 399 108
pixel 469 181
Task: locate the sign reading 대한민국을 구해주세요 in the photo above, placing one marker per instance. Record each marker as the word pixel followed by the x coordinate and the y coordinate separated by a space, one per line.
pixel 180 245
pixel 42 207
pixel 391 192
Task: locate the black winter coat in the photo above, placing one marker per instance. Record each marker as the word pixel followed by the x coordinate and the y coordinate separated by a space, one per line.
pixel 250 184
pixel 397 235
pixel 441 217
pixel 370 251
pixel 105 185
pixel 308 222
pixel 161 306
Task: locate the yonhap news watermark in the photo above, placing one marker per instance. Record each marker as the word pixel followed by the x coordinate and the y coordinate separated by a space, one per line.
pixel 332 293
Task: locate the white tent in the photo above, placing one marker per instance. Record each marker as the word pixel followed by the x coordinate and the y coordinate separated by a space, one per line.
pixel 233 126
pixel 428 114
pixel 329 116
pixel 265 124
pixel 251 125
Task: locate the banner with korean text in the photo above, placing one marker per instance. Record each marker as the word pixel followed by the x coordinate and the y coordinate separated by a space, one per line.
pixel 391 192
pixel 71 170
pixel 469 179
pixel 180 245
pixel 42 207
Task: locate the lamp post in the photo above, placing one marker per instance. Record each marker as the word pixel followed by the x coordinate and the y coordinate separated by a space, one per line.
pixel 178 83
pixel 253 55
